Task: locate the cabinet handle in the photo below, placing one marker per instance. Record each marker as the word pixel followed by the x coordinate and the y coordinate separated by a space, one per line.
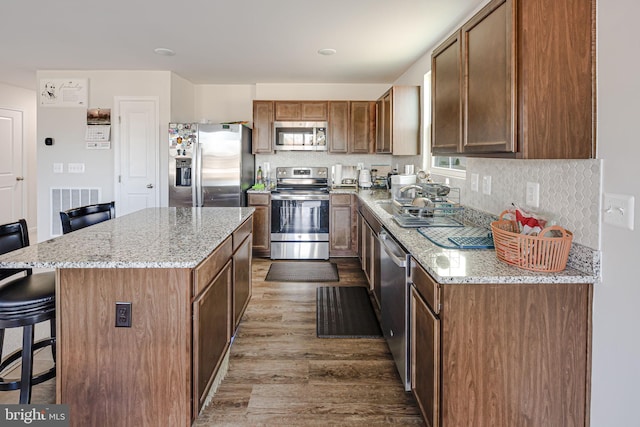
pixel 19 178
pixel 149 185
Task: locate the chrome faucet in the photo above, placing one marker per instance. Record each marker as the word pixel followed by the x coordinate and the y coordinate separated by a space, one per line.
pixel 410 187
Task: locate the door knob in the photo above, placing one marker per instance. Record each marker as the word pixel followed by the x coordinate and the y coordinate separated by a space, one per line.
pixel 149 185
pixel 19 178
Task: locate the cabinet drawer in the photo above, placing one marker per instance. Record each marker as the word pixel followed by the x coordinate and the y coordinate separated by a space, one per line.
pixel 341 199
pixel 242 233
pixel 259 199
pixel 207 270
pixel 426 286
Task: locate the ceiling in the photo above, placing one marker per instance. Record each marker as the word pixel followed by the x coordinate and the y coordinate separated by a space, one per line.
pixel 226 42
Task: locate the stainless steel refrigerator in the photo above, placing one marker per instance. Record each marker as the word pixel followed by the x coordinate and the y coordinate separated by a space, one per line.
pixel 209 164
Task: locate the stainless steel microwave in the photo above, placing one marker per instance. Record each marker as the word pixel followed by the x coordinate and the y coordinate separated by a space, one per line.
pixel 300 136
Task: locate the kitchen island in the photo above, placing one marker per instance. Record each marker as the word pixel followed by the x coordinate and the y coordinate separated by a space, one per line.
pixel 173 268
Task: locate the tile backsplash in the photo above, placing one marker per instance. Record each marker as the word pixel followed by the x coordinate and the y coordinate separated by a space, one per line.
pixel 569 191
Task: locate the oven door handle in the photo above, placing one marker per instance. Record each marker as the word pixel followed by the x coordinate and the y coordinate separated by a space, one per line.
pixel 391 248
pixel 275 196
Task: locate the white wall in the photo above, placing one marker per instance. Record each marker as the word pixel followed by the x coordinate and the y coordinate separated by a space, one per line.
pixel 182 100
pixel 67 127
pixel 616 344
pixel 15 98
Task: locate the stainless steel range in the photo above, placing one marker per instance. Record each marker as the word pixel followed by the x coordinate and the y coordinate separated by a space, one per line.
pixel 300 213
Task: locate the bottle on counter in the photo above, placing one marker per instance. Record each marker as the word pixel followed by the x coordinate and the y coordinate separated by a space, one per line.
pixel 259 175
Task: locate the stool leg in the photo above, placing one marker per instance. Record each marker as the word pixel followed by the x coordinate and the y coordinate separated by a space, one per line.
pixel 53 337
pixel 27 364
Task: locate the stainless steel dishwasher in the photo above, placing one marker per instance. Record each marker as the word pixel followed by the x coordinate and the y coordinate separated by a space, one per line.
pixel 394 272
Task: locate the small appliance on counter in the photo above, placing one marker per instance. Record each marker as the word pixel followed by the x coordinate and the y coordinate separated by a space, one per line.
pixel 364 178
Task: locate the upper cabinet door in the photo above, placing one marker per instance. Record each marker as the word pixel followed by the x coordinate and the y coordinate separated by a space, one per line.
pixel 362 127
pixel 446 97
pixel 489 80
pixel 301 110
pixel 262 127
pixel 338 127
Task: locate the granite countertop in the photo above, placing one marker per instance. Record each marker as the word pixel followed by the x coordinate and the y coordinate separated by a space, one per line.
pixel 455 266
pixel 150 238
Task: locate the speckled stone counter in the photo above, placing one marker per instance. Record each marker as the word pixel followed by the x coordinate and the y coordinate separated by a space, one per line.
pixel 150 238
pixel 449 266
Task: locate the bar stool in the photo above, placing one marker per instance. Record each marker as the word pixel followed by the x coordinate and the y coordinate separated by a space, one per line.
pixel 84 216
pixel 25 301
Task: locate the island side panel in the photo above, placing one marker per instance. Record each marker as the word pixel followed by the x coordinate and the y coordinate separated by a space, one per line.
pixel 516 354
pixel 137 376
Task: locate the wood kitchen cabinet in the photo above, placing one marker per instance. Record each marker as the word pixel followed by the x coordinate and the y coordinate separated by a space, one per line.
pixel 362 127
pixel 261 202
pixel 398 121
pixel 262 135
pixel 518 99
pixel 500 354
pixel 352 127
pixel 446 97
pixel 212 320
pixel 242 239
pixel 343 225
pixel 338 127
pixel 301 110
pixel 371 250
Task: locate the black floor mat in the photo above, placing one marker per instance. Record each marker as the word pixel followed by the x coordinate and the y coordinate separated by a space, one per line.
pixel 345 312
pixel 301 271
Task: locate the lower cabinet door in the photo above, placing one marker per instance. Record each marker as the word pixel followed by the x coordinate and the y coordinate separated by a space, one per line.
pixel 425 359
pixel 241 280
pixel 211 333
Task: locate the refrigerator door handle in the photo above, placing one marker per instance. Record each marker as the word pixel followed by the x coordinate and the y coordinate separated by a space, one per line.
pixel 197 174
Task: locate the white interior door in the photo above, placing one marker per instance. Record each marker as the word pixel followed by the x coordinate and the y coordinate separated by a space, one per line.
pixel 137 154
pixel 11 167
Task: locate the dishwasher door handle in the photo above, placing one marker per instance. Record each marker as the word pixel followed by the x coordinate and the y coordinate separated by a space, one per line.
pixel 387 244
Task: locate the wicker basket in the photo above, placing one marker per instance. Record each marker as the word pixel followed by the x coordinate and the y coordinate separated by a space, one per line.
pixel 537 253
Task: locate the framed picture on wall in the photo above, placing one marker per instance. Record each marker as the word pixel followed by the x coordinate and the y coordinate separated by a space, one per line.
pixel 63 92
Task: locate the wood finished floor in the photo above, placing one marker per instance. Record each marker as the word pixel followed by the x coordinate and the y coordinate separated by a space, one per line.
pixel 281 374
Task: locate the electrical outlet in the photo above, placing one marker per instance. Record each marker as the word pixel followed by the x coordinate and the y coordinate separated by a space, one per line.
pixel 475 179
pixel 486 185
pixel 123 314
pixel 533 194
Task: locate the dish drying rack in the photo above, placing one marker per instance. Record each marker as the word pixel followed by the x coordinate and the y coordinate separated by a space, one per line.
pixel 440 210
pixel 436 205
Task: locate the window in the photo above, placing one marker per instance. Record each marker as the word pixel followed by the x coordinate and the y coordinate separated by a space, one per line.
pixel 440 165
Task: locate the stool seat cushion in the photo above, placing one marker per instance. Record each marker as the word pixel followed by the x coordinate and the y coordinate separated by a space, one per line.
pixel 28 292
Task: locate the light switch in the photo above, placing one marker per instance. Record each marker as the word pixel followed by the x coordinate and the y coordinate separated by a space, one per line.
pixel 618 210
pixel 75 167
pixel 58 168
pixel 486 185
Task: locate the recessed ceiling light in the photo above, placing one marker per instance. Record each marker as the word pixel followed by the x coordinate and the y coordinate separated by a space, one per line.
pixel 164 51
pixel 327 52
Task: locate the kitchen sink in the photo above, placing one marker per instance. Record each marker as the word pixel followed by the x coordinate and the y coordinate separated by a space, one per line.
pixel 388 207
